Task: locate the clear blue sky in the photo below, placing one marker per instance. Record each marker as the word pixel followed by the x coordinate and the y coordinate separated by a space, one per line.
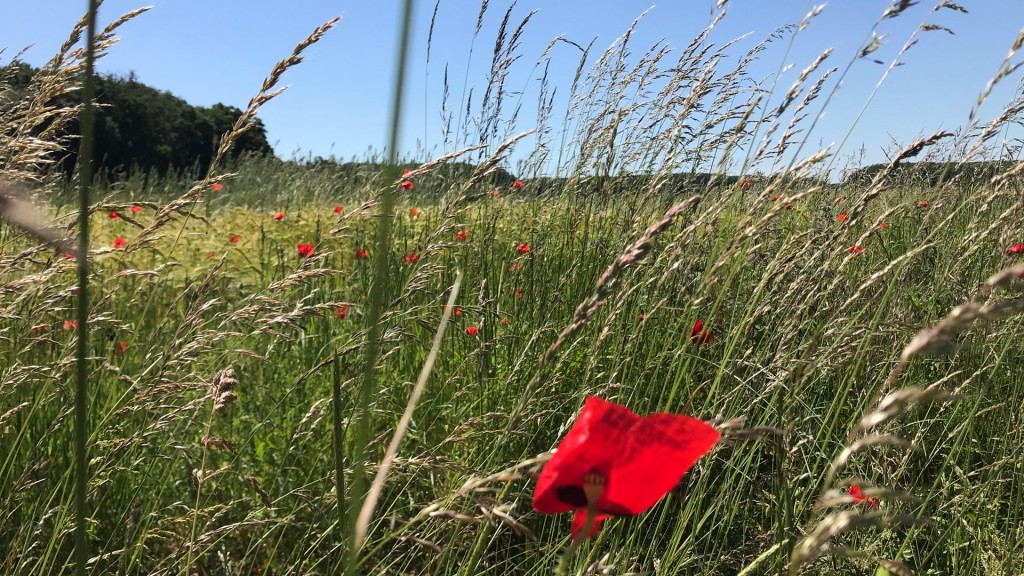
pixel 220 50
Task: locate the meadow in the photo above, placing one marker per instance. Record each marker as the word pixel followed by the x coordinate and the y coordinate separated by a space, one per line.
pixel 863 333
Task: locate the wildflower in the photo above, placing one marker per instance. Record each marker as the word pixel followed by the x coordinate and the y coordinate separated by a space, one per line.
pixel 411 258
pixel 615 463
pixel 922 204
pixel 523 248
pixel 700 333
pixel 775 198
pixel 121 348
pixel 885 225
pixel 114 216
pixel 234 239
pixel 842 217
pixel 69 255
pixel 856 249
pixel 519 292
pixel 40 328
pixel 495 193
pixel 407 185
pixel 217 186
pixel 505 320
pixel 414 212
pixel 857 495
pixel 745 183
pixel 515 267
pixel 456 312
pixel 71 324
pixel 405 171
pixel 462 235
pixel 210 255
pixel 119 242
pixel 641 317
pixel 136 208
pixel 305 250
pixel 339 209
pixel 340 312
pixel 789 206
pixel 472 330
pixel 1016 249
pixel 279 216
pixel 361 253
pixel 518 184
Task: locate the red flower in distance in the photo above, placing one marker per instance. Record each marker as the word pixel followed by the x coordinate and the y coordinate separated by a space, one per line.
pixel 121 348
pixel 504 320
pixel 745 183
pixel 462 235
pixel 841 217
pixel 1016 249
pixel 40 328
pixel 217 186
pixel 114 216
pixel 234 239
pixel 210 255
pixel 523 248
pixel 516 267
pixel 857 495
pixel 119 242
pixel 472 330
pixel 136 208
pixel 519 292
pixel 615 463
pixel 71 324
pixel 700 333
pixel 518 184
pixel 361 254
pixel 775 198
pixel 885 225
pixel 340 312
pixel 407 185
pixel 789 206
pixel 339 209
pixel 411 258
pixel 495 193
pixel 405 171
pixel 922 204
pixel 856 249
pixel 279 216
pixel 414 212
pixel 305 250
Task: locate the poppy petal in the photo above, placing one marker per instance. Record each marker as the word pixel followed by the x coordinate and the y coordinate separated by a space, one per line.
pixel 591 444
pixel 579 522
pixel 657 452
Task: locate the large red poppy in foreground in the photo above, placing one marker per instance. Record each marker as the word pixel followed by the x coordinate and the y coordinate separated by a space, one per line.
pixel 616 463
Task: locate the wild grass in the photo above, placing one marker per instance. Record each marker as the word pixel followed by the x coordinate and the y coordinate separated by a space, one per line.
pixel 224 378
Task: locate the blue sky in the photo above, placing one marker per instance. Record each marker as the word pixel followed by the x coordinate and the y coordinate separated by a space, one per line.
pixel 220 51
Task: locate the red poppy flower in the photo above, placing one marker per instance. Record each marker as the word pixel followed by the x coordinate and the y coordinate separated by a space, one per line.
pixel 462 235
pixel 472 330
pixel 121 348
pixel 210 255
pixel 234 239
pixel 407 185
pixel 339 209
pixel 414 212
pixel 842 217
pixel 518 184
pixel 495 193
pixel 745 183
pixel 775 198
pixel 515 267
pixel 641 317
pixel 340 312
pixel 700 333
pixel 71 324
pixel 305 250
pixel 40 328
pixel 1016 249
pixel 279 216
pixel 922 204
pixel 519 292
pixel 789 206
pixel 217 186
pixel 119 242
pixel 523 248
pixel 411 258
pixel 361 254
pixel 885 225
pixel 504 320
pixel 456 312
pixel 615 463
pixel 69 255
pixel 405 171
pixel 136 208
pixel 857 495
pixel 856 249
pixel 114 216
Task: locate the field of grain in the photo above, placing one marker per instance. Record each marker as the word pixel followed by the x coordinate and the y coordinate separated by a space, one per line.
pixel 256 333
